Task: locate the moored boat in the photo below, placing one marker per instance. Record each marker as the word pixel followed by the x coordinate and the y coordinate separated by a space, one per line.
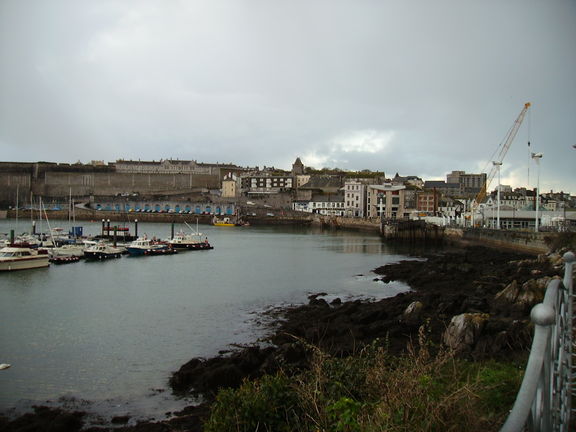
pixel 67 250
pixel 22 258
pixel 102 251
pixel 192 241
pixel 64 259
pixel 146 246
pixel 224 222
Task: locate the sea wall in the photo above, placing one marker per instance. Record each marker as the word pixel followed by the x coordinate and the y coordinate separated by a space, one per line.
pixel 338 222
pixel 521 241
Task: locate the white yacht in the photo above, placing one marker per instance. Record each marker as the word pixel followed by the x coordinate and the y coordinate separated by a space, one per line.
pixel 22 258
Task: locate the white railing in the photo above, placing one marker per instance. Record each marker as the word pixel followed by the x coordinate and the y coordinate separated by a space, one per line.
pixel 544 400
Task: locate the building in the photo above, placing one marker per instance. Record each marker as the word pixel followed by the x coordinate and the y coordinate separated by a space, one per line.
pixel 166 166
pixel 355 198
pixel 470 184
pixel 326 205
pixel 230 187
pixel 417 182
pixel 386 201
pixel 265 184
pixel 297 168
pixel 427 202
pixel 444 188
pixel 318 184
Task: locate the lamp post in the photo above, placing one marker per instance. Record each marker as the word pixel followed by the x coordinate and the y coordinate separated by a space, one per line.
pixel 537 157
pixel 498 164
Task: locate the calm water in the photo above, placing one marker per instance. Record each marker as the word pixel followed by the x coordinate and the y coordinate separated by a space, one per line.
pixel 110 333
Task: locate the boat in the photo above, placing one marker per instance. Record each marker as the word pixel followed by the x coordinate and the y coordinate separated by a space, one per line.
pixel 191 241
pixel 102 251
pixel 67 250
pixel 64 259
pixel 224 222
pixel 22 258
pixel 146 246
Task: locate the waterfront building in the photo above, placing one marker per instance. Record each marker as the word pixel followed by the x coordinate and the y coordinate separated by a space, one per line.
pixel 355 197
pixel 386 201
pixel 319 184
pixel 324 204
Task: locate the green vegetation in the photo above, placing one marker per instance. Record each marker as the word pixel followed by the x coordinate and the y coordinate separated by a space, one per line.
pixel 373 391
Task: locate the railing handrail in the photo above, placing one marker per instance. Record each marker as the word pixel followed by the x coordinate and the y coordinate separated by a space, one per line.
pixel 544 399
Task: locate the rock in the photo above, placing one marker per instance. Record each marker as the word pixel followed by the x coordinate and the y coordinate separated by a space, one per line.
pixel 412 314
pixel 519 300
pixel 464 331
pixel 510 293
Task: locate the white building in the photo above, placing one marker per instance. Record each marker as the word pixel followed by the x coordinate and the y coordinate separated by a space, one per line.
pixel 355 198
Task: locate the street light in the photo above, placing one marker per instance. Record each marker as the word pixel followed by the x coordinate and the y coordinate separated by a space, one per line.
pixel 537 157
pixel 498 164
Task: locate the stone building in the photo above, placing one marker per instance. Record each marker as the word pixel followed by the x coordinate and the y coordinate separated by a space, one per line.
pixel 386 201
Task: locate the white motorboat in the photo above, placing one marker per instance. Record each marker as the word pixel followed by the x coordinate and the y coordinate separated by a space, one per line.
pixel 67 250
pixel 22 258
pixel 191 241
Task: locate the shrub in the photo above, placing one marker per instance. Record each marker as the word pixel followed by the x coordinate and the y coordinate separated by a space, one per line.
pixel 374 391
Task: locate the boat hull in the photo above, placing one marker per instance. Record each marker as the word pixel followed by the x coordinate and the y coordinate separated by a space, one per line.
pixel 24 263
pixel 101 255
pixel 192 246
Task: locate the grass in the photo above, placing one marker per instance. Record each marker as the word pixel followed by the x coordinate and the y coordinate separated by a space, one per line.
pixel 373 391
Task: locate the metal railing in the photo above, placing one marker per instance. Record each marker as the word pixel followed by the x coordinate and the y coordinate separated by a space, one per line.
pixel 544 400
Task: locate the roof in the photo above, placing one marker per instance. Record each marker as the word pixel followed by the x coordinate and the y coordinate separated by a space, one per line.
pixel 429 184
pixel 323 183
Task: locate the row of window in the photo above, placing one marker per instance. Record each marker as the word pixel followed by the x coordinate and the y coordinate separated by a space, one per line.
pixel 327 204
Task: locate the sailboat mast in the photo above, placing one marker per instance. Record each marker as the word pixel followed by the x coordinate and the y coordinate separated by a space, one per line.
pixel 17 204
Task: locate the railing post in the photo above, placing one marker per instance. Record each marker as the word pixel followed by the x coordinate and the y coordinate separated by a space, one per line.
pixel 544 400
pixel 569 259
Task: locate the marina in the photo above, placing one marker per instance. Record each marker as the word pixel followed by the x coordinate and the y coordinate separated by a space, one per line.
pixel 109 334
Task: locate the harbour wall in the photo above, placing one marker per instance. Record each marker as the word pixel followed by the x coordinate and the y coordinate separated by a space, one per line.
pixel 520 241
pixel 340 222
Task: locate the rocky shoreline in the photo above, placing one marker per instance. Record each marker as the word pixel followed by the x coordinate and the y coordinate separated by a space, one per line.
pixel 475 300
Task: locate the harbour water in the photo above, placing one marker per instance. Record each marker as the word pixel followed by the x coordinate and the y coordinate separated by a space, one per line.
pixel 107 335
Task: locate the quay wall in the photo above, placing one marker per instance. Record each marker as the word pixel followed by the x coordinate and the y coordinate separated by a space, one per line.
pixel 87 214
pixel 520 241
pixel 340 222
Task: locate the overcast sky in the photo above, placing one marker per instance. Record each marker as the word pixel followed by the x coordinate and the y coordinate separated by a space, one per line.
pixel 417 87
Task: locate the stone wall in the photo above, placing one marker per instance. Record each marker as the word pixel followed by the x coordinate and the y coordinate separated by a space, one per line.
pixel 521 241
pixel 346 222
pixel 53 181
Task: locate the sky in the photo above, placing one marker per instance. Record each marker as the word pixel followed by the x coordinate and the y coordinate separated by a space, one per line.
pixel 414 87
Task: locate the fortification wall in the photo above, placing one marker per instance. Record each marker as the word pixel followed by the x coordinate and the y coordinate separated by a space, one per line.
pixel 53 181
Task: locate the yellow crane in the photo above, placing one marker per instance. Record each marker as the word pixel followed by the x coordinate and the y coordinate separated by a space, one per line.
pixel 501 152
